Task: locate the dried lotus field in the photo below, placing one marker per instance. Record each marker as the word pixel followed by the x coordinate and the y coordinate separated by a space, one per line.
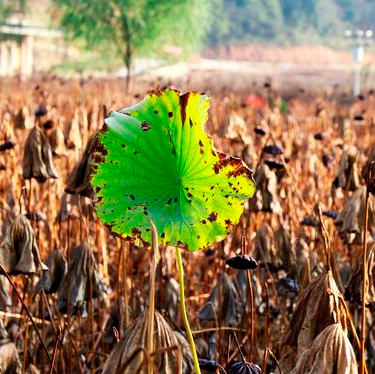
pixel 282 293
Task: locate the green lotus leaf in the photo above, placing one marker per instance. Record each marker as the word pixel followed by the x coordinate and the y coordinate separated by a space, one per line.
pixel 155 162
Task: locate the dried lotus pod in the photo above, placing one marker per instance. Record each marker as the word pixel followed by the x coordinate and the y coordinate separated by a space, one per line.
pixel 128 357
pixel 318 306
pixel 51 279
pixel 242 262
pixel 79 179
pixel 243 367
pixel 84 283
pixel 353 290
pixel 330 353
pixel 231 308
pixel 19 252
pixel 350 220
pixel 265 197
pixel 347 174
pixel 209 365
pixel 37 157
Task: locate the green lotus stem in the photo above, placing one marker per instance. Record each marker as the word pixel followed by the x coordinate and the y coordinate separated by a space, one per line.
pixel 183 311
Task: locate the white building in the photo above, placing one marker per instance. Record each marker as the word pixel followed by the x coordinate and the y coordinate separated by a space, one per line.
pixel 17 39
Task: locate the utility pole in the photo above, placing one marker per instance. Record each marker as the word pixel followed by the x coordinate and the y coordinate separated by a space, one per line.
pixel 359 39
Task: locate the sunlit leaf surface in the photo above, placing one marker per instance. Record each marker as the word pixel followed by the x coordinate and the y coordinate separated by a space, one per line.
pixel 155 161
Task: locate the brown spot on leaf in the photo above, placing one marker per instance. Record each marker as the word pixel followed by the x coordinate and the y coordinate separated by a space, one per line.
pixel 212 217
pixel 135 231
pixel 204 221
pixel 170 114
pixel 239 168
pixel 184 99
pixel 145 126
pixel 228 224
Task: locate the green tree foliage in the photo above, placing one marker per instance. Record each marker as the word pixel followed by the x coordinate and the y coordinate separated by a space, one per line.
pixel 136 26
pixel 288 21
pixel 246 20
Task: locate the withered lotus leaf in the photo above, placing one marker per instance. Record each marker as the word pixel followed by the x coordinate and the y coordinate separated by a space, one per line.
pixel 19 252
pixel 5 299
pixel 237 128
pixel 124 358
pixel 347 174
pixel 37 157
pixel 224 303
pixel 264 249
pixel 350 220
pixel 57 141
pixel 79 179
pixel 354 288
pixel 318 306
pixel 265 197
pixel 9 360
pixel 51 279
pixel 285 249
pixel 84 282
pixel 330 353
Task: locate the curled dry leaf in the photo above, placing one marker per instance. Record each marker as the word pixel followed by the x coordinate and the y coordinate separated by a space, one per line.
pixel 37 157
pixel 57 141
pixel 170 290
pixel 331 353
pixel 51 279
pixel 84 282
pixel 285 249
pixel 350 220
pixel 265 197
pixel 5 299
pixel 231 308
pixel 128 356
pixel 236 128
pixel 19 252
pixel 79 179
pixel 19 119
pixel 353 290
pixel 347 175
pixel 318 306
pixel 365 168
pixel 264 249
